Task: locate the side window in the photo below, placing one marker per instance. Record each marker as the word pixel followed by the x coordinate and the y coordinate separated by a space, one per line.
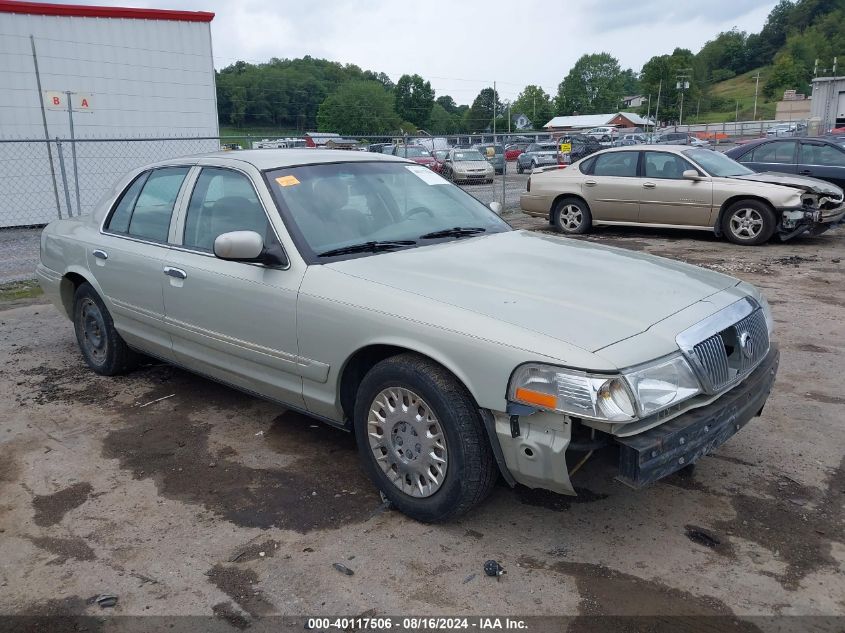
pixel 825 155
pixel 151 215
pixel 119 220
pixel 782 152
pixel 223 200
pixel 616 164
pixel 663 165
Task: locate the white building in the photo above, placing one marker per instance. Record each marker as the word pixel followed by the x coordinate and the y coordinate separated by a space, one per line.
pixel 132 73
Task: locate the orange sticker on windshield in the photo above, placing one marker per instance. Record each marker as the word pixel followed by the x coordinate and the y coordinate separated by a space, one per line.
pixel 287 181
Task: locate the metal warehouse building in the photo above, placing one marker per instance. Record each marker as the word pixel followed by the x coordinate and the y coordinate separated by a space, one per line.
pixel 91 72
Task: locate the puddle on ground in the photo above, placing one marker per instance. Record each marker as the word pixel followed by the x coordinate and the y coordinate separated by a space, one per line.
pixel 607 592
pixel 51 509
pixel 64 548
pixel 321 487
pixel 240 586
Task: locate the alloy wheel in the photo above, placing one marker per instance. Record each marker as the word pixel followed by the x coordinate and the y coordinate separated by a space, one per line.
pixel 746 223
pixel 570 217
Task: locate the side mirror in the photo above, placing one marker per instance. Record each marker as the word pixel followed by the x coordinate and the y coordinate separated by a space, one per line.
pixel 248 246
pixel 496 207
pixel 691 174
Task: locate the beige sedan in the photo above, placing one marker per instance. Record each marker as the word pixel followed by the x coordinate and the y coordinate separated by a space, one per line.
pixel 681 187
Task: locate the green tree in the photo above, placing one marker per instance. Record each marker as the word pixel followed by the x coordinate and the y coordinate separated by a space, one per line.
pixel 358 107
pixel 414 99
pixel 536 104
pixel 727 51
pixel 480 114
pixel 594 85
pixel 630 82
pixel 441 121
pixel 447 103
pixel 662 74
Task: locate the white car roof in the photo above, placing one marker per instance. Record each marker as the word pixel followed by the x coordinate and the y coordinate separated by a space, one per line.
pixel 263 159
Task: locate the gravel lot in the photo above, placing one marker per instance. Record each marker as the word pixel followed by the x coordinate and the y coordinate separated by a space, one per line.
pixel 184 497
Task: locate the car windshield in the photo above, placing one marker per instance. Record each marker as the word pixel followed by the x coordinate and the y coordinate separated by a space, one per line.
pixel 412 152
pixel 716 163
pixel 468 154
pixel 441 154
pixel 336 205
pixel 549 147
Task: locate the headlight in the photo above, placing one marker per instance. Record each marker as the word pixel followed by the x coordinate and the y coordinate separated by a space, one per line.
pixel 662 384
pixel 635 394
pixel 572 392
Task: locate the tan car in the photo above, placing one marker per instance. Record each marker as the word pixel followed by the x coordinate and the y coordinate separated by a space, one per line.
pixel 682 187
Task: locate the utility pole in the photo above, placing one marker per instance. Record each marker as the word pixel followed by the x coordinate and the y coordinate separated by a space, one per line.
pixel 657 106
pixel 756 89
pixel 494 111
pixel 682 85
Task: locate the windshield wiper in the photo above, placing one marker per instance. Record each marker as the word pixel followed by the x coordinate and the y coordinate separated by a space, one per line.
pixel 367 247
pixel 458 231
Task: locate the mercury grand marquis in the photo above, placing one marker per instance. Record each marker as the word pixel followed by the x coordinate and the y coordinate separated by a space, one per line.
pixel 370 293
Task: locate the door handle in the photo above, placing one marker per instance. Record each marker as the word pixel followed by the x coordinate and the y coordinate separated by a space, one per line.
pixel 649 185
pixel 99 254
pixel 178 273
pixel 590 183
pixel 805 172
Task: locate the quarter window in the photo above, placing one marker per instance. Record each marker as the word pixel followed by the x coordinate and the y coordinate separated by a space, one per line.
pixel 825 155
pixel 223 200
pixel 779 152
pixel 616 164
pixel 119 220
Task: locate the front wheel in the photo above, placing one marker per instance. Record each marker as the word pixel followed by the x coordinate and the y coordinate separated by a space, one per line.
pixel 421 439
pixel 572 216
pixel 102 347
pixel 748 222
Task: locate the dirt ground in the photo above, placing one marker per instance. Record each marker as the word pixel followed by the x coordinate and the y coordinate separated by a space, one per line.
pixel 184 497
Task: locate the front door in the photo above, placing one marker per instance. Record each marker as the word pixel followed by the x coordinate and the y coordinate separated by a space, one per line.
pixel 822 160
pixel 233 321
pixel 612 188
pixel 668 198
pixel 772 156
pixel 128 257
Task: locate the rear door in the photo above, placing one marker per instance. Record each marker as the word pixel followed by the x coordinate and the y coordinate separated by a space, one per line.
pixel 127 261
pixel 612 188
pixel 234 321
pixel 780 155
pixel 822 160
pixel 668 198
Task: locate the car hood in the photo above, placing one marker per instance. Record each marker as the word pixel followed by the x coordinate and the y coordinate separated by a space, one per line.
pixel 587 295
pixel 422 160
pixel 804 183
pixel 463 165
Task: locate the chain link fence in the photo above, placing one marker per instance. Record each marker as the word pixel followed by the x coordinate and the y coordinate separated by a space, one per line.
pixel 43 180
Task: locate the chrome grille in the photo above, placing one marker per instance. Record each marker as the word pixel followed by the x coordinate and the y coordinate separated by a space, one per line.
pixel 727 346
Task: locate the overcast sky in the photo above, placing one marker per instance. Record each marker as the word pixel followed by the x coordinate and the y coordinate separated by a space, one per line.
pixel 461 46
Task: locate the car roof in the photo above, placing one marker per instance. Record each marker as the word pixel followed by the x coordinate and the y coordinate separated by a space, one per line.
pixel 264 159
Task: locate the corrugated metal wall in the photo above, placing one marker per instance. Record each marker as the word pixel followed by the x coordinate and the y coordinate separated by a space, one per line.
pixel 146 78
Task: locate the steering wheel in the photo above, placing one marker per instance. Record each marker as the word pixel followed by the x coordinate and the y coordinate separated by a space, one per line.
pixel 417 210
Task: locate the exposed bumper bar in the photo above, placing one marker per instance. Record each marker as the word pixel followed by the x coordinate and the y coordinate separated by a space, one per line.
pixel 658 452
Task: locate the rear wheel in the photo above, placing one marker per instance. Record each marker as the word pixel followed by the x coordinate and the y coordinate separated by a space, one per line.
pixel 102 347
pixel 519 168
pixel 422 440
pixel 748 222
pixel 572 216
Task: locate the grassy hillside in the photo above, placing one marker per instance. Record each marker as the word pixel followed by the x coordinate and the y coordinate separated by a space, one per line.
pixel 740 88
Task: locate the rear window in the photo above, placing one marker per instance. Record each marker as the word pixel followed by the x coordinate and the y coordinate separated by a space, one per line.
pixel 616 164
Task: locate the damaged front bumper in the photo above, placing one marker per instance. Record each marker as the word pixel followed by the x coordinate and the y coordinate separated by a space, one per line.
pixel 665 449
pixel 532 447
pixel 796 221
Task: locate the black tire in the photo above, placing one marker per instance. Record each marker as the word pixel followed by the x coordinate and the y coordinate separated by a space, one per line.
pixel 102 347
pixel 471 469
pixel 519 168
pixel 533 165
pixel 572 216
pixel 748 222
